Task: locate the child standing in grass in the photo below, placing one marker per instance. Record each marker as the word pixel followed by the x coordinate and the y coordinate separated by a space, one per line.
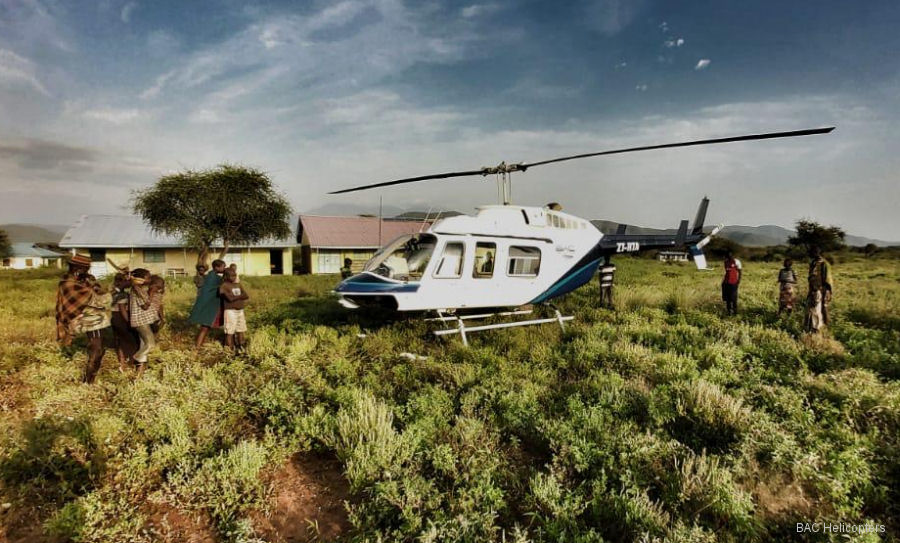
pixel 143 315
pixel 787 282
pixel 207 307
pixel 157 291
pixel 93 321
pixel 126 338
pixel 235 297
pixel 730 283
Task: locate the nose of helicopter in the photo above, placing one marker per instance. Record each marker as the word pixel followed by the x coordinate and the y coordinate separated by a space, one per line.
pixel 368 283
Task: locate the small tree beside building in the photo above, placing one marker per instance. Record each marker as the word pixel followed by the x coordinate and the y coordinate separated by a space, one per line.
pixel 234 204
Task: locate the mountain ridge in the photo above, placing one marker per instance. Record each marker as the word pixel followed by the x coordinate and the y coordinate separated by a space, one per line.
pixel 750 236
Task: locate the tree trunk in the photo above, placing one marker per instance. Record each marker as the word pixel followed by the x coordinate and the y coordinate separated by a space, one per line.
pixel 203 256
pixel 226 246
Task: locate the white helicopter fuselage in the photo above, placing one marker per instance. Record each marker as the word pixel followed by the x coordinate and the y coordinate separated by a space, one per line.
pixel 503 256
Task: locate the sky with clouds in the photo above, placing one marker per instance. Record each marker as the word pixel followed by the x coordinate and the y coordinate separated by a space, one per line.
pixel 100 98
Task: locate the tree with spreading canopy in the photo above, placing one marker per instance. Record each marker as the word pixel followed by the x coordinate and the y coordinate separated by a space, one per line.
pixel 812 234
pixel 228 204
pixel 5 247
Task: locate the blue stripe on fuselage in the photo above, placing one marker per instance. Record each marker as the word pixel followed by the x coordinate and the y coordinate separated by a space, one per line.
pixel 366 283
pixel 573 279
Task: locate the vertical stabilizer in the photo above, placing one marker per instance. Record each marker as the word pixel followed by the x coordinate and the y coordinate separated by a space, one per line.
pixel 701 216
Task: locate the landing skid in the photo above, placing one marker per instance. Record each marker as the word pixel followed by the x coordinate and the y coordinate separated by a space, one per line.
pixel 462 329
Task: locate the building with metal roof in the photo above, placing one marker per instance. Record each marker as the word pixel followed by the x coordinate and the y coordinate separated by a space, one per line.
pixel 24 255
pixel 128 241
pixel 325 241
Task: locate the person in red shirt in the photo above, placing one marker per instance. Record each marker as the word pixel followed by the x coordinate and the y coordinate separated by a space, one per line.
pixel 730 283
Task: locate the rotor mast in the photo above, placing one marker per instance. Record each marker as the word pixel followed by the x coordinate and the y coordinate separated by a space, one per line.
pixel 504 171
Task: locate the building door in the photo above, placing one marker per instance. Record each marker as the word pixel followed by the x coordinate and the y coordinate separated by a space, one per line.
pixel 276 262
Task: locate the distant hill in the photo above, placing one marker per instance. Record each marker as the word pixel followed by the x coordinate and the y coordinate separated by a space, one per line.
pixel 34 233
pixel 749 236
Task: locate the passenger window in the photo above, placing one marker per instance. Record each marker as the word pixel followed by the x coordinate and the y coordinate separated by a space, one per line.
pixel 450 265
pixel 484 260
pixel 524 261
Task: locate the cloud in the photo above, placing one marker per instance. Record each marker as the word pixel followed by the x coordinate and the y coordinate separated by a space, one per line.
pixel 479 10
pixel 35 154
pixel 609 17
pixel 335 51
pixel 34 25
pixel 642 87
pixel 127 11
pixel 702 64
pixel 157 87
pixel 114 116
pixel 162 43
pixel 674 43
pixel 17 70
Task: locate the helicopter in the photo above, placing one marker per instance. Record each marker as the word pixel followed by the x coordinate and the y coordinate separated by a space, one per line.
pixel 506 259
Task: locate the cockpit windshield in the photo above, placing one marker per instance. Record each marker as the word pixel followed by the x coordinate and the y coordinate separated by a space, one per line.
pixel 403 259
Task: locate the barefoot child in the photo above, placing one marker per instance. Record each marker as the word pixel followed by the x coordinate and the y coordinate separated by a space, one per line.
pixel 94 319
pixel 126 337
pixel 157 291
pixel 208 305
pixel 143 315
pixel 787 282
pixel 235 297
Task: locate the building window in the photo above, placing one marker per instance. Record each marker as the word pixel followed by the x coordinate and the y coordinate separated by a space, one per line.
pixel 29 263
pixel 153 256
pixel 6 262
pixel 484 260
pixel 524 261
pixel 450 265
pixel 98 255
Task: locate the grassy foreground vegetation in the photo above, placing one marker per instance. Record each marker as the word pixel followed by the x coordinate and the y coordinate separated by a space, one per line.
pixel 661 421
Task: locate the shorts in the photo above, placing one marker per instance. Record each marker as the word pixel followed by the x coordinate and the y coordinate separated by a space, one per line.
pixel 235 321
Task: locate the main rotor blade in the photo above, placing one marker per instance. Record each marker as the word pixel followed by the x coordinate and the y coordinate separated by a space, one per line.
pixel 507 168
pixel 770 135
pixel 410 180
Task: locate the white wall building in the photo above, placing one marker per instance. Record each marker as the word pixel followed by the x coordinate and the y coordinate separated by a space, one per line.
pixel 26 256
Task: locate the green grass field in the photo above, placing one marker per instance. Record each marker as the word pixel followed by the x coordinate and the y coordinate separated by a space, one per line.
pixel 661 421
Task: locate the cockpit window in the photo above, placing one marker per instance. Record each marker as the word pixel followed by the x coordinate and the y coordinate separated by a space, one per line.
pixel 403 259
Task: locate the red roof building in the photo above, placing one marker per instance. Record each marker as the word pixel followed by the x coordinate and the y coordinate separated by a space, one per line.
pixel 326 241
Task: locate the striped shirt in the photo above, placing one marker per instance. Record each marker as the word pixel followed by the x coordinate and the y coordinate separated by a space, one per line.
pixel 607 271
pixel 139 315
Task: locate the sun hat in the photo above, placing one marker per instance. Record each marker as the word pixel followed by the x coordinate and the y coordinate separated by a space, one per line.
pixel 80 260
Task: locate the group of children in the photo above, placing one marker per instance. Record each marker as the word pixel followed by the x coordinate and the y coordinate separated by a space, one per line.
pixel 134 309
pixel 818 296
pixel 220 303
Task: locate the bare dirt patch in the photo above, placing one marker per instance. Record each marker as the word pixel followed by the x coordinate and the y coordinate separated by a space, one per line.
pixel 24 526
pixel 168 524
pixel 307 502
